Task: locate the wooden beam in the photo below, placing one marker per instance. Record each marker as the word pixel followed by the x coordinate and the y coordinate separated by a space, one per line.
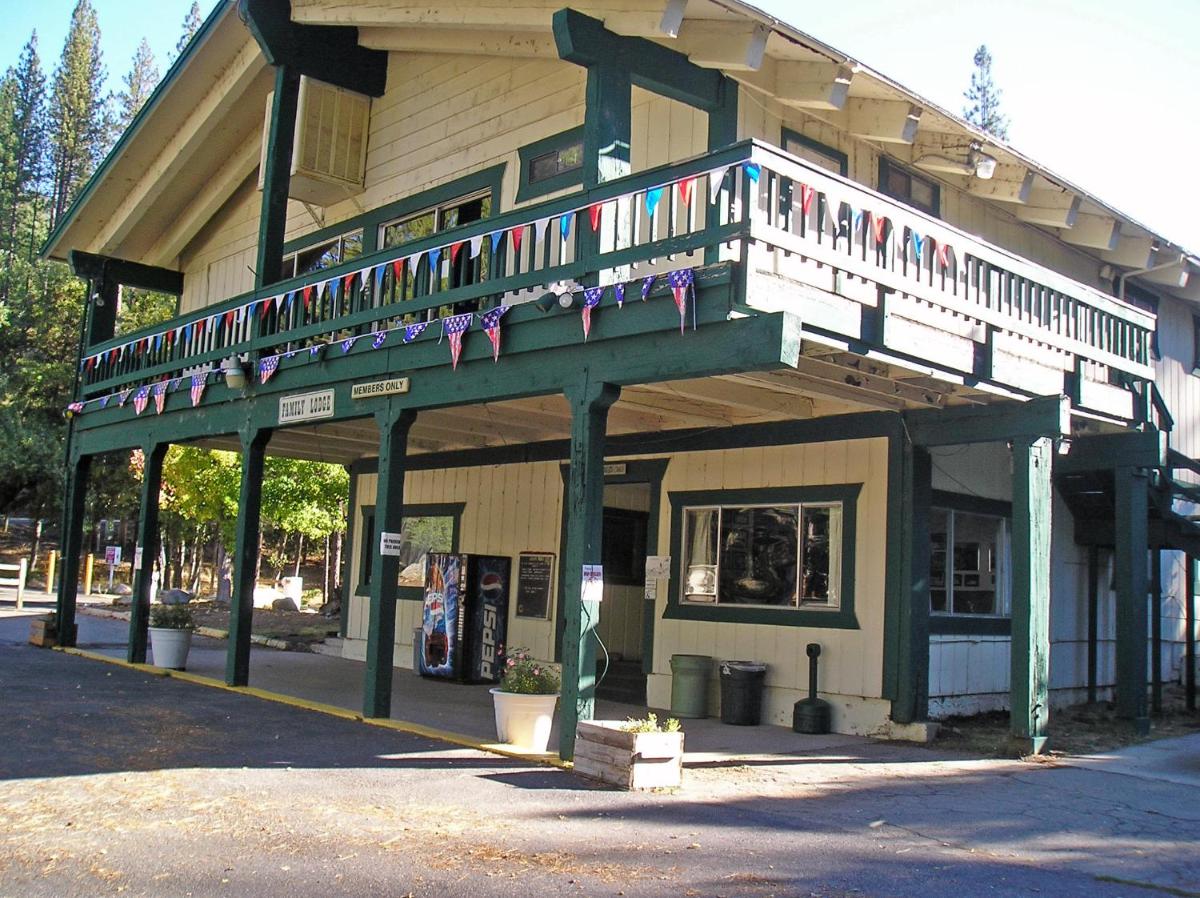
pixel 1093 231
pixel 272 222
pixel 204 205
pixel 684 414
pixel 187 147
pixel 801 85
pixel 870 382
pixel 1046 416
pixel 733 46
pixel 888 121
pixel 1174 274
pixel 1010 184
pixel 146 545
pixel 329 53
pixel 1132 251
pixel 245 556
pixel 1130 575
pixel 1132 449
pixel 461 41
pixel 128 274
pixel 1052 208
pixel 71 541
pixel 1030 657
pixel 742 397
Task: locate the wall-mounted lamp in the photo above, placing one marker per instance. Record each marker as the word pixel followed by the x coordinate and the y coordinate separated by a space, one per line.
pixel 983 165
pixel 561 294
pixel 234 372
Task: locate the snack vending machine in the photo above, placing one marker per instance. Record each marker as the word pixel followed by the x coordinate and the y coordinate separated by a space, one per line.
pixel 464 621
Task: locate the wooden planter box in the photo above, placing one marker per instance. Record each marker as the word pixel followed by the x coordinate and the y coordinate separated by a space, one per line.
pixel 43 633
pixel 605 752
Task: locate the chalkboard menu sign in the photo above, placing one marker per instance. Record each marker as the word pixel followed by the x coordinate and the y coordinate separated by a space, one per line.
pixel 535 574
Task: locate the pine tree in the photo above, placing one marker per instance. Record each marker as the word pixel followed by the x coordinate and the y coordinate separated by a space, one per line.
pixel 139 83
pixel 22 152
pixel 191 24
pixel 983 98
pixel 79 119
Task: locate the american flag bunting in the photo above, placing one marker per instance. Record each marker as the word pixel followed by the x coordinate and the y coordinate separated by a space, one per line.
pixel 591 299
pixel 682 282
pixel 490 320
pixel 454 327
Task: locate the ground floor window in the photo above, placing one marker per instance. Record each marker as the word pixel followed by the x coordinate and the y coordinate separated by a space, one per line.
pixel 424 529
pixel 768 555
pixel 969 563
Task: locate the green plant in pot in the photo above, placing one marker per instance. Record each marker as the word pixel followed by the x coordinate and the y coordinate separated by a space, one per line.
pixel 171 635
pixel 525 701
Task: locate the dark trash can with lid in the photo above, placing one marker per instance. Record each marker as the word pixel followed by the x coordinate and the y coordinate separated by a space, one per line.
pixel 689 685
pixel 741 692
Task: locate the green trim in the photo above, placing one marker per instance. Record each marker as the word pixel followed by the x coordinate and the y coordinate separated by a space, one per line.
pixel 202 34
pixel 130 274
pixel 887 162
pixel 561 181
pixel 452 510
pixel 490 179
pixel 824 149
pixel 646 470
pixel 1045 416
pixel 840 618
pixel 971 504
pixel 967 625
pixel 277 165
pixel 723 118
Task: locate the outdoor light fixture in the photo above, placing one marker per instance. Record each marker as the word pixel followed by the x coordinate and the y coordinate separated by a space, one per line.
pixel 561 293
pixel 983 165
pixel 235 373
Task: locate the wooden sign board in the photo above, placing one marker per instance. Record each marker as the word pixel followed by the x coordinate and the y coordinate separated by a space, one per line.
pixel 535 584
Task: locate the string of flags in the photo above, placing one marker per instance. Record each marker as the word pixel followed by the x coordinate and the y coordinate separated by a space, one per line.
pixel 453 329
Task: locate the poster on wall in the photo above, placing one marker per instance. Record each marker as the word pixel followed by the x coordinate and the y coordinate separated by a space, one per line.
pixel 535 575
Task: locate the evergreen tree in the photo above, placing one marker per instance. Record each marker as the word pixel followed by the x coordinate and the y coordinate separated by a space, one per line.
pixel 983 98
pixel 191 24
pixel 24 130
pixel 139 83
pixel 78 110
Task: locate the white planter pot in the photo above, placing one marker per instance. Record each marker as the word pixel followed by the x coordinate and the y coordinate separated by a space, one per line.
pixel 524 720
pixel 169 647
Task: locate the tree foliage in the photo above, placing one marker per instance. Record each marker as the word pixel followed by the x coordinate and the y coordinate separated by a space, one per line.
pixel 983 98
pixel 191 24
pixel 140 81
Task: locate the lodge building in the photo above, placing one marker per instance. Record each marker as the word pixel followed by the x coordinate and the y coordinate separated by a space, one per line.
pixel 672 287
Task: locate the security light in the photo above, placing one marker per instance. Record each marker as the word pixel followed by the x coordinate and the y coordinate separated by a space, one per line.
pixel 561 293
pixel 235 373
pixel 983 165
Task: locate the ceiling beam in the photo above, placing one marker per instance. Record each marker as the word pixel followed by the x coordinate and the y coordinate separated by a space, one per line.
pixel 1093 231
pixel 883 120
pixel 743 398
pixel 734 46
pixel 461 41
pixel 1171 270
pixel 1132 251
pixel 643 400
pixel 185 145
pixel 217 191
pixel 801 85
pixel 1010 184
pixel 1052 208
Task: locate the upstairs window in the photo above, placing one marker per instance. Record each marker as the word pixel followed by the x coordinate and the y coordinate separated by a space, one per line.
pixel 908 187
pixel 814 151
pixel 324 254
pixel 551 164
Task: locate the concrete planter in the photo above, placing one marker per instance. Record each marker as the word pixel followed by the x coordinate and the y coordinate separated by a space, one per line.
pixel 605 752
pixel 169 647
pixel 524 720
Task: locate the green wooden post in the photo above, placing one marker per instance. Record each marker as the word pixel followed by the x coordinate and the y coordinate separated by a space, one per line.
pixel 590 402
pixel 277 178
pixel 1093 613
pixel 344 561
pixel 607 125
pixel 147 540
pixel 908 526
pixel 1189 617
pixel 103 298
pixel 1032 458
pixel 72 547
pixel 1156 685
pixel 1130 563
pixel 245 557
pixel 394 424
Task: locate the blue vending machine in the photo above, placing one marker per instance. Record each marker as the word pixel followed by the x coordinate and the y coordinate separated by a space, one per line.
pixel 464 622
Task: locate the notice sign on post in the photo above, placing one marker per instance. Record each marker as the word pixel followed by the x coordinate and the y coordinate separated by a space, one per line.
pixel 137 558
pixel 593 582
pixel 390 543
pixel 112 555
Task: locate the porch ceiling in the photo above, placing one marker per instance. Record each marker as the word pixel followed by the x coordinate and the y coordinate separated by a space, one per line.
pixel 826 382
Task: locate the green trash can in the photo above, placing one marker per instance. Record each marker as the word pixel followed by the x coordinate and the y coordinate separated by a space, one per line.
pixel 741 692
pixel 689 685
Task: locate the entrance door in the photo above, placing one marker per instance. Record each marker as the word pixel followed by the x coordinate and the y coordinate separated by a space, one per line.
pixel 622 625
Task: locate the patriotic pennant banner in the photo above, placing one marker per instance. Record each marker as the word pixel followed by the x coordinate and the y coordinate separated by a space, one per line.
pixel 435 257
pixel 682 283
pixel 412 331
pixel 104 401
pixel 199 382
pixel 314 351
pixel 685 190
pixel 753 170
pixel 515 236
pixel 539 230
pixel 122 398
pixel 160 396
pixel 918 244
pixel 476 245
pixel 619 292
pixel 140 398
pixel 454 327
pixel 647 283
pixel 490 320
pixel 496 237
pixel 594 215
pixel 267 367
pixel 348 344
pixel 716 180
pixel 653 195
pixel 564 226
pixel 944 253
pixel 380 336
pixel 591 299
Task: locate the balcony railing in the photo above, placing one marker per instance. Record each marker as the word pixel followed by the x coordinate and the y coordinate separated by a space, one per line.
pixel 722 205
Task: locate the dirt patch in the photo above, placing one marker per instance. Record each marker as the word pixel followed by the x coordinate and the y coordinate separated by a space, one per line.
pixel 294 627
pixel 1079 730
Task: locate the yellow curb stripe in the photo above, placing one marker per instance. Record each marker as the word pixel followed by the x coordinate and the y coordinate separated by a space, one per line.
pixel 401 726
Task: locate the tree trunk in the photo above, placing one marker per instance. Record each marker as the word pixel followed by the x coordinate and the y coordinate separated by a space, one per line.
pixel 337 563
pixel 258 559
pixel 299 554
pixel 325 578
pixel 224 574
pixel 37 544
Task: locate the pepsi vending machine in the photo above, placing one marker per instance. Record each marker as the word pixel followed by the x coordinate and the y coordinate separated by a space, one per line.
pixel 464 623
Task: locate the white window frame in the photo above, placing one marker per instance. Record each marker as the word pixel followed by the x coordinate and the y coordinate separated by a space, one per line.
pixel 1003 565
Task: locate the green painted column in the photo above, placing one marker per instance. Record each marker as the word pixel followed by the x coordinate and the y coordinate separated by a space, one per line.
pixel 1156 597
pixel 245 556
pixel 589 402
pixel 1032 459
pixel 347 546
pixel 147 540
pixel 394 425
pixel 910 486
pixel 104 294
pixel 607 124
pixel 272 222
pixel 71 546
pixel 1130 570
pixel 723 117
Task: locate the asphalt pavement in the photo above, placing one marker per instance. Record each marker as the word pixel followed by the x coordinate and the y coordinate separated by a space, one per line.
pixel 114 781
